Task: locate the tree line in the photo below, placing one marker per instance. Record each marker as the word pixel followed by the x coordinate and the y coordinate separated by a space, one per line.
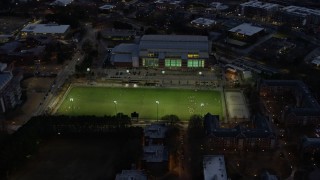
pixel 17 148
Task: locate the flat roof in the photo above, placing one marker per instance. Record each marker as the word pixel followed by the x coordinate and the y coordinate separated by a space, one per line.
pixel 46 28
pixel 246 29
pixel 203 21
pixel 214 167
pixel 178 38
pixel 174 43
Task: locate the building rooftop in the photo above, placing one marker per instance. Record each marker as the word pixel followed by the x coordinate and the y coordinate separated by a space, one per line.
pixel 131 175
pixel 155 153
pixel 261 5
pixel 5 79
pixel 311 106
pixel 262 128
pixel 155 131
pixel 61 2
pixel 214 167
pixel 246 29
pixel 46 28
pixel 203 22
pixel 107 7
pixel 174 43
pixel 219 6
pixel 175 38
pixel 301 11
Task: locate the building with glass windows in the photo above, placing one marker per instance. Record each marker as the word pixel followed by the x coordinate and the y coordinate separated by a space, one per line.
pixel 174 51
pixel 164 51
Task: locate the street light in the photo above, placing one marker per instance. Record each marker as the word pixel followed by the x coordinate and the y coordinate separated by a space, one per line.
pixel 115 106
pixel 157 102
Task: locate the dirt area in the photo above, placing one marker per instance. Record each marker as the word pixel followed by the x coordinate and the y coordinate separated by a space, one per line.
pixel 72 158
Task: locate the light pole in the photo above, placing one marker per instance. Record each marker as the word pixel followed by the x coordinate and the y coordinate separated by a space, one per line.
pixel 115 106
pixel 157 102
pixel 202 105
pixel 71 101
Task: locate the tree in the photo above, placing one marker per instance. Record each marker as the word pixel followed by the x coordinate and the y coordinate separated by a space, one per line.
pixel 171 119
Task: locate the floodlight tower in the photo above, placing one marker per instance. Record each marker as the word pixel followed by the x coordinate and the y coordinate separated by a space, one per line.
pixel 157 102
pixel 115 106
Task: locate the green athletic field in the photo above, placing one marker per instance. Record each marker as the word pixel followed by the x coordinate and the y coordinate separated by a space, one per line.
pixel 100 101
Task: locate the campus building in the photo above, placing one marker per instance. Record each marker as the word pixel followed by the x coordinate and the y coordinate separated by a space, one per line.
pixel 53 30
pixel 305 111
pixel 214 167
pixel 164 51
pixel 174 51
pixel 259 9
pixel 260 136
pixel 244 33
pixel 155 134
pixel 203 22
pixel 300 16
pixel 10 90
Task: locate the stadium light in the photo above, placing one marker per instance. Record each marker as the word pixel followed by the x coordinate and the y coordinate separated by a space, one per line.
pixel 157 102
pixel 115 106
pixel 202 105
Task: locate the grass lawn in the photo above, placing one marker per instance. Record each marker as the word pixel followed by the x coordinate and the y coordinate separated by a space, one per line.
pixel 99 101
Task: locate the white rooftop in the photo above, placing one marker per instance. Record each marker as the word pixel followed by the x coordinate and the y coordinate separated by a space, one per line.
pixel 246 29
pixel 203 22
pixel 46 28
pixel 106 7
pixel 261 5
pixel 155 131
pixel 214 167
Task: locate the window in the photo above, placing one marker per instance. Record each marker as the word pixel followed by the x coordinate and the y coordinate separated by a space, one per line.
pixel 196 63
pixel 172 62
pixel 193 55
pixel 150 62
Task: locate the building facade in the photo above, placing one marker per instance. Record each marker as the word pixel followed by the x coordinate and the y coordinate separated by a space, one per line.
pixel 305 111
pixel 10 90
pixel 174 51
pixel 261 136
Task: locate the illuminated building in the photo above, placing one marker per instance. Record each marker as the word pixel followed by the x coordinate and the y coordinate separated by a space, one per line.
pixel 54 30
pixel 163 51
pixel 174 51
pixel 244 33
